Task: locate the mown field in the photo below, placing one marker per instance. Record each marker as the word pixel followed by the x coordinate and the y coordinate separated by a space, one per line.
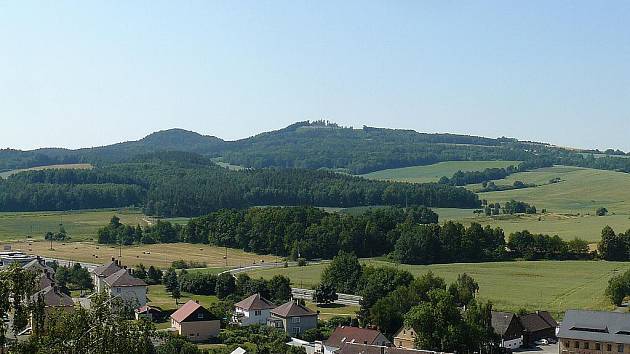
pixel 551 285
pixel 432 173
pixel 78 166
pixel 161 255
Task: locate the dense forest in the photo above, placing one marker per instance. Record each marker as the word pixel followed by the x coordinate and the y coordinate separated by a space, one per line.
pixel 319 144
pixel 406 235
pixel 186 184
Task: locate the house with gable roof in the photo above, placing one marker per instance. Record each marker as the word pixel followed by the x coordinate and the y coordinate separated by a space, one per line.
pixel 252 310
pixel 101 272
pixel 293 318
pixel 194 322
pixel 131 290
pixel 509 327
pixel 346 334
pixel 594 332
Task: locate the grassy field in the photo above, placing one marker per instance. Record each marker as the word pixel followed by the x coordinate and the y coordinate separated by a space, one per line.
pixel 432 173
pixel 157 296
pixel 161 255
pixel 552 285
pixel 80 225
pixel 328 311
pixel 571 203
pixel 75 166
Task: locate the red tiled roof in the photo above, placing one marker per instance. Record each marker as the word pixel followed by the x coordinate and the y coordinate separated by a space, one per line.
pixel 291 309
pixel 186 310
pixel 355 348
pixel 255 302
pixel 352 334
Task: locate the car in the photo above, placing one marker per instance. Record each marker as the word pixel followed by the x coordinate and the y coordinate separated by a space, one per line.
pixel 541 342
pixel 552 340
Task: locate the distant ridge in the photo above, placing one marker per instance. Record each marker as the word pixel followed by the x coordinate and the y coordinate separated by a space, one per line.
pixel 318 145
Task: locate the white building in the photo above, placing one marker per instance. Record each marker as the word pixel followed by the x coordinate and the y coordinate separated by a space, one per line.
pixel 101 272
pixel 131 290
pixel 252 310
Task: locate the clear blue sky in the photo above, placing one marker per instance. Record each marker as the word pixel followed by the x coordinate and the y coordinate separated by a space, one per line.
pixel 77 73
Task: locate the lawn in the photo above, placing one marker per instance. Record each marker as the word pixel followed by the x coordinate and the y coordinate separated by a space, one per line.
pixel 74 166
pixel 326 312
pixel 157 296
pixel 551 285
pixel 160 255
pixel 80 225
pixel 432 173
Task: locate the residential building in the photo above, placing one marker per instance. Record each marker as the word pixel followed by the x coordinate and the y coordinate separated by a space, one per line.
pixel 101 272
pixel 509 327
pixel 252 310
pixel 347 334
pixel 131 290
pixel 194 322
pixel 405 338
pixel 358 348
pixel 538 325
pixel 9 257
pixel 293 318
pixel 38 265
pixel 54 300
pixel 148 312
pixel 594 332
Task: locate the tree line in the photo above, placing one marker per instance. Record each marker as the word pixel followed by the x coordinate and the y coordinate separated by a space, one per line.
pixel 184 184
pixel 406 235
pixel 614 246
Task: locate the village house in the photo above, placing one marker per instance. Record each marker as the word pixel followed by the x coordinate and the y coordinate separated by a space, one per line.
pixel 194 322
pixel 358 348
pixel 405 338
pixel 252 310
pixel 594 332
pixel 293 318
pixel 347 334
pixel 131 290
pixel 53 299
pixel 101 272
pixel 509 327
pixel 536 326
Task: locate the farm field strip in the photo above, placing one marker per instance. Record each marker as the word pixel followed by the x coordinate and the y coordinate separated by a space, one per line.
pixel 73 166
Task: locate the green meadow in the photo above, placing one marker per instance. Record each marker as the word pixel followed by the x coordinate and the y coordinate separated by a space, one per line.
pixel 80 225
pixel 551 285
pixel 432 173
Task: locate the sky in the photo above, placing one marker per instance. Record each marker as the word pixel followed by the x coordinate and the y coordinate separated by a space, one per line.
pixel 89 73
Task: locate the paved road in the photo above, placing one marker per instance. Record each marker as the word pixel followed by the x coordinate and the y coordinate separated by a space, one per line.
pixel 541 349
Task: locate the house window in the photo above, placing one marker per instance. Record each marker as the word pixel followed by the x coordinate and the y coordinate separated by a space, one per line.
pixel 598 346
pixel 296 330
pixel 117 290
pixel 576 344
pixel 609 347
pixel 257 313
pixel 620 348
pixel 586 345
pixel 295 320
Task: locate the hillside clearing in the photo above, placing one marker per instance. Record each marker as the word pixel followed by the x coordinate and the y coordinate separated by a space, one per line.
pixel 549 285
pixel 72 166
pixel 432 173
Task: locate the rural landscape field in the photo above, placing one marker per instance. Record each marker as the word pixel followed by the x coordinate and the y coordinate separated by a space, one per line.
pixel 404 177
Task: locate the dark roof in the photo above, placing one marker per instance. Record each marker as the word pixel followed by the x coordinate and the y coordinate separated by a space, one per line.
pixel 107 269
pixel 185 311
pixel 599 326
pixel 44 281
pixel 538 321
pixel 53 297
pixel 123 278
pixel 355 348
pixel 38 265
pixel 292 309
pixel 501 321
pixel 352 334
pixel 255 302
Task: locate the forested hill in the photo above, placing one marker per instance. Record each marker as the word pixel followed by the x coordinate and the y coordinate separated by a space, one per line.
pixel 186 184
pixel 319 144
